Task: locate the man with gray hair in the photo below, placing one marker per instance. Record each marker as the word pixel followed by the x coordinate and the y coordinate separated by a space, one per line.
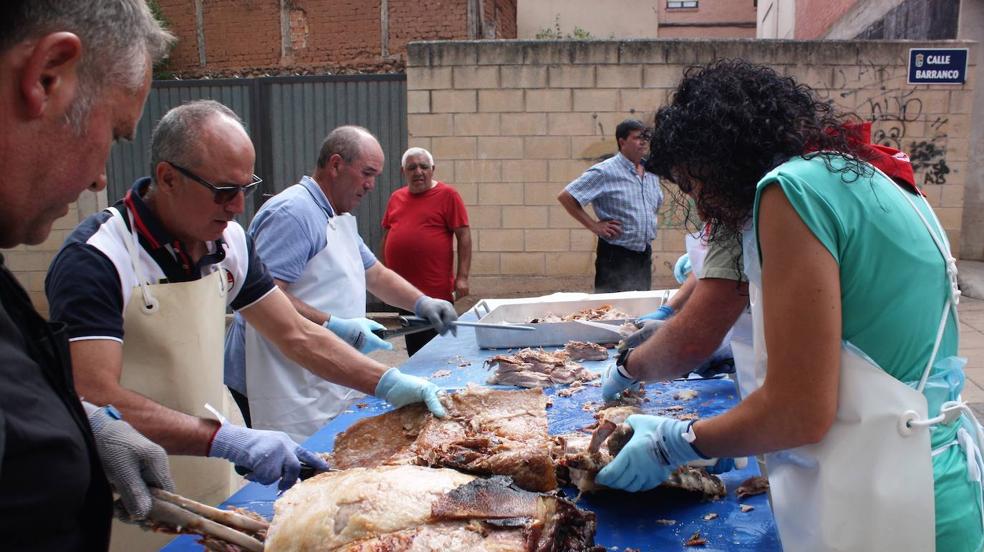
pixel 308 238
pixel 74 76
pixel 418 225
pixel 143 288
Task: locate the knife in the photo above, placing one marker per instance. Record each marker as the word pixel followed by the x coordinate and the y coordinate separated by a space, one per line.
pixel 601 326
pixel 503 326
pixel 307 471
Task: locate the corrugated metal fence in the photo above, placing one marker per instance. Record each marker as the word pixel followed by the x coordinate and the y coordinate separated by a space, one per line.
pixel 287 118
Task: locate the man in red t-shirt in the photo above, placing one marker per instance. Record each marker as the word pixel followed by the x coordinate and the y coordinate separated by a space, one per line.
pixel 417 227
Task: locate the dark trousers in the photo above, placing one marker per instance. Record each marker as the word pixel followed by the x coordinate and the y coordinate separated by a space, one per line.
pixel 621 269
pixel 243 403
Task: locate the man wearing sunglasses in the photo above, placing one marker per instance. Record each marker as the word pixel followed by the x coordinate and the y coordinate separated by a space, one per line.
pixel 309 239
pixel 144 286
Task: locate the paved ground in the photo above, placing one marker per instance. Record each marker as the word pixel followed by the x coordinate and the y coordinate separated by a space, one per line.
pixel 971 335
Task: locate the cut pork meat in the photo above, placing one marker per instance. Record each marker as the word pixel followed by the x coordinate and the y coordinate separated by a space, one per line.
pixel 487 432
pixel 581 350
pixel 410 508
pixel 584 458
pixel 604 312
pixel 531 368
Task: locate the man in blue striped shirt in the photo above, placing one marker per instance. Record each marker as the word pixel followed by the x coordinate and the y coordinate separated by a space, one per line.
pixel 625 198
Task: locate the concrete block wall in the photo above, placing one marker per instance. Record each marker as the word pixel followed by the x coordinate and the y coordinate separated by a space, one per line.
pixel 510 123
pixel 29 263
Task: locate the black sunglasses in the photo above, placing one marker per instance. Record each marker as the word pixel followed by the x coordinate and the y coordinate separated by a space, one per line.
pixel 220 194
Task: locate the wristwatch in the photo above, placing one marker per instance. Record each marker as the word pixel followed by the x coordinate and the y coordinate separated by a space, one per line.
pixel 112 412
pixel 622 363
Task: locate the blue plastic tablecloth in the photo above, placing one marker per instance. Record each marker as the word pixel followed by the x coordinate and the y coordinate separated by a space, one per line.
pixel 624 520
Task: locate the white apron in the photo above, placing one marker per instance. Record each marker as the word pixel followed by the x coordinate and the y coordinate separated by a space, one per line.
pixel 868 485
pixel 742 336
pixel 283 395
pixel 172 353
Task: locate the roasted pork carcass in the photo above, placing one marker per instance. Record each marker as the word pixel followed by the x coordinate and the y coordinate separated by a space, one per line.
pixel 531 368
pixel 607 440
pixel 410 508
pixel 487 432
pixel 581 350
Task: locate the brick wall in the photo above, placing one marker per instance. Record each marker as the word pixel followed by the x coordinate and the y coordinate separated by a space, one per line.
pixel 505 18
pixel 241 33
pixel 425 20
pixel 814 17
pixel 180 15
pixel 339 32
pixel 511 123
pixel 281 36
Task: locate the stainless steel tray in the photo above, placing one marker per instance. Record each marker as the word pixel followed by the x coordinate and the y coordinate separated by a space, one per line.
pixel 554 333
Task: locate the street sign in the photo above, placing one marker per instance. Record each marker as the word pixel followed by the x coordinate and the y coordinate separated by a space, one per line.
pixel 937 65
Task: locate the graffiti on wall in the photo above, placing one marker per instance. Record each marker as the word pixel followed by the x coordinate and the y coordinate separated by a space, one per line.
pixel 894 113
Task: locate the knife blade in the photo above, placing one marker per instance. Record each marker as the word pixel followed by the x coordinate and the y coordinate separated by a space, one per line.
pixel 307 471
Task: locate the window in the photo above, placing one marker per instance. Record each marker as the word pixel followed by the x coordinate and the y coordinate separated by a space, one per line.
pixel 679 4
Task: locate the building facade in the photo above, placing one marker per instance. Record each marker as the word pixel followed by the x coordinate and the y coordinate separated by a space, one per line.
pixel 622 19
pixel 278 37
pixel 902 20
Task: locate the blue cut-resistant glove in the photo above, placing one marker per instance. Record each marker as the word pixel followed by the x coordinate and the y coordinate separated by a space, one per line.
pixel 357 332
pixel 266 455
pixel 438 312
pixel 682 268
pixel 399 389
pixel 661 313
pixel 614 381
pixel 656 449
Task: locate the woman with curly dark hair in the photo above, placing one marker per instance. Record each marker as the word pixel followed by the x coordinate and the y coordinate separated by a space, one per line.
pixel 856 386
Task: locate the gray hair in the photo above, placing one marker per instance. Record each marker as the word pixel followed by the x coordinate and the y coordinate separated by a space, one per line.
pixel 414 152
pixel 346 141
pixel 120 39
pixel 177 136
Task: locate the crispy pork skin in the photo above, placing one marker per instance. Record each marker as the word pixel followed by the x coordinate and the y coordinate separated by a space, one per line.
pixel 336 509
pixel 411 508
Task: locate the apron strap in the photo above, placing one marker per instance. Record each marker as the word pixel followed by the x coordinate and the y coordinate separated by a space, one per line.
pixel 951 273
pixel 150 303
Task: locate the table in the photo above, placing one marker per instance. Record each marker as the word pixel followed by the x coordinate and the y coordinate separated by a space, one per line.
pixel 624 520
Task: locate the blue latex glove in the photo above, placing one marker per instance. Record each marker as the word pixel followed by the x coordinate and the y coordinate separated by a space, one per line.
pixel 438 312
pixel 661 313
pixel 267 455
pixel 614 381
pixel 399 389
pixel 682 268
pixel 656 449
pixel 357 332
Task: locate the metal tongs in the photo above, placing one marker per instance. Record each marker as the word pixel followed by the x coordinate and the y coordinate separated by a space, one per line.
pixel 187 516
pixel 415 324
